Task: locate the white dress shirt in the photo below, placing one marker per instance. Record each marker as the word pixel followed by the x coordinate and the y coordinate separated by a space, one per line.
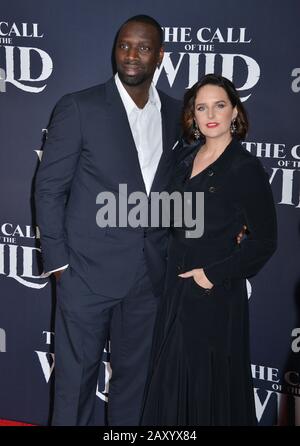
pixel 146 129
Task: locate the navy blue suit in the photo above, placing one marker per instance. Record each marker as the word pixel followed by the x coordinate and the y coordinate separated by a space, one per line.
pixel 90 149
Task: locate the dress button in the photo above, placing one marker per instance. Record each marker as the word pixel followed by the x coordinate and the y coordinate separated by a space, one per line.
pixel 210 172
pixel 212 189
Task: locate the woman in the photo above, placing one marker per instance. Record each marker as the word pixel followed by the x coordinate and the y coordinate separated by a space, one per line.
pixel 200 368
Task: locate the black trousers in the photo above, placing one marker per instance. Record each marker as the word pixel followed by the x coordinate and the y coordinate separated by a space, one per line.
pixel 84 321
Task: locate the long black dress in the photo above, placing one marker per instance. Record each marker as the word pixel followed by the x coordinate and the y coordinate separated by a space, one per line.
pixel 200 368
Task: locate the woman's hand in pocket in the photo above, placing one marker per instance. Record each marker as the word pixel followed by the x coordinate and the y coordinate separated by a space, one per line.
pixel 199 277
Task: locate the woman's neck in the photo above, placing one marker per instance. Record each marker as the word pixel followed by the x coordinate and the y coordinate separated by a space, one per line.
pixel 213 147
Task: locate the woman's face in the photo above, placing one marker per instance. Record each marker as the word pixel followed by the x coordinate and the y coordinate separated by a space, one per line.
pixel 214 112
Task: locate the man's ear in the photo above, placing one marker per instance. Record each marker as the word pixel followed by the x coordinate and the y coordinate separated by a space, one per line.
pixel 161 56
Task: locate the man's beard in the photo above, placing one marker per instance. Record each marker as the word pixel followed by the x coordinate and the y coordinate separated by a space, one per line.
pixel 135 80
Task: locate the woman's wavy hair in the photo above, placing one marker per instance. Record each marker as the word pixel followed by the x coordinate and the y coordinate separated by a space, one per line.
pixel 187 119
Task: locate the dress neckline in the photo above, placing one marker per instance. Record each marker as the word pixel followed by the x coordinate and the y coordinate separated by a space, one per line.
pixel 220 157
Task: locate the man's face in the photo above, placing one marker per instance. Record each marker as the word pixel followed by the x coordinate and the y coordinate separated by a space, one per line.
pixel 137 53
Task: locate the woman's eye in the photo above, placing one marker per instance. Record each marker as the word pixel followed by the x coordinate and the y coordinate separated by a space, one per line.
pixel 221 105
pixel 201 108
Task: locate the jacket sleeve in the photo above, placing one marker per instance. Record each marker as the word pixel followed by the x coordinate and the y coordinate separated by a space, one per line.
pixel 254 196
pixel 54 178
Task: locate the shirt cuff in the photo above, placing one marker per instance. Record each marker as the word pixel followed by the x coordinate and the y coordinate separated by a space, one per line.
pixel 47 274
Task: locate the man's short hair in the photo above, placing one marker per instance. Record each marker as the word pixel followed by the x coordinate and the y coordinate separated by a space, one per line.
pixel 150 21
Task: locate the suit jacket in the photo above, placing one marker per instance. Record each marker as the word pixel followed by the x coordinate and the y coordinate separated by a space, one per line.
pixel 90 149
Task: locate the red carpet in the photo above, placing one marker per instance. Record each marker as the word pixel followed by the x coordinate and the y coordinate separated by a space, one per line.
pixel 13 423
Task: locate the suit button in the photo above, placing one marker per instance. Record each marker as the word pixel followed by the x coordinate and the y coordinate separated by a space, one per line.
pixel 210 172
pixel 212 189
pixel 145 233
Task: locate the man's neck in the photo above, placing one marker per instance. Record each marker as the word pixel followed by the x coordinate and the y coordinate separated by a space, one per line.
pixel 139 93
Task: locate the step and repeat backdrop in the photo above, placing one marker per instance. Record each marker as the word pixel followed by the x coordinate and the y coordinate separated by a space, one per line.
pixel 51 48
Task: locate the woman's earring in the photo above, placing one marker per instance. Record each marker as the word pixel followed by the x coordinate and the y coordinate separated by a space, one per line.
pixel 197 133
pixel 233 126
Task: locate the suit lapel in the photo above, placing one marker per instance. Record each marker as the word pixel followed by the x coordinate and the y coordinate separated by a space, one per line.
pixel 123 135
pixel 124 142
pixel 165 163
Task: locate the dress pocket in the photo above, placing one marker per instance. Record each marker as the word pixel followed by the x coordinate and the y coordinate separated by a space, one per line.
pixel 199 289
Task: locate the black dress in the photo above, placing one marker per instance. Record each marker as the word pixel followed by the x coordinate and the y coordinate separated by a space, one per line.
pixel 200 368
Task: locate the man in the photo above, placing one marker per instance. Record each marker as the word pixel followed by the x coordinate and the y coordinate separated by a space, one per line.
pixel 109 280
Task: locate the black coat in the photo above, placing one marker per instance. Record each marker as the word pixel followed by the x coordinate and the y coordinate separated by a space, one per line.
pixel 236 192
pixel 200 373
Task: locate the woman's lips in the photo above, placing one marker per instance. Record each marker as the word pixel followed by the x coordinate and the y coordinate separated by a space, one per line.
pixel 211 125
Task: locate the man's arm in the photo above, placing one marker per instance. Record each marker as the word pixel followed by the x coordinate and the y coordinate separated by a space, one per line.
pixel 53 181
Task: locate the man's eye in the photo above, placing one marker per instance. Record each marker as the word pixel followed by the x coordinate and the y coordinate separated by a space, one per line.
pixel 123 46
pixel 145 49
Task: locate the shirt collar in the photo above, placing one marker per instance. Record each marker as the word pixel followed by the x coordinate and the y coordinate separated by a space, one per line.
pixel 129 103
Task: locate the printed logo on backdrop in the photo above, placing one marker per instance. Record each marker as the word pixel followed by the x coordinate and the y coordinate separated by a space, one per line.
pixel 22 62
pixel 104 375
pixel 284 172
pixel 46 358
pixel 19 254
pixel 277 396
pixel 47 363
pixel 199 51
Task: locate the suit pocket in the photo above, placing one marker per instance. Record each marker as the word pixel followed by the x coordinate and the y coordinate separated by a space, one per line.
pixel 63 276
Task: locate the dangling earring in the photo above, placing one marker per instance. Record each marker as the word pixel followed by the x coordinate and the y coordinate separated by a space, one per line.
pixel 233 126
pixel 196 132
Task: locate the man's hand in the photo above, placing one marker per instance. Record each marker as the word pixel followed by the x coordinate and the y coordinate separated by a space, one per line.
pixel 58 274
pixel 199 277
